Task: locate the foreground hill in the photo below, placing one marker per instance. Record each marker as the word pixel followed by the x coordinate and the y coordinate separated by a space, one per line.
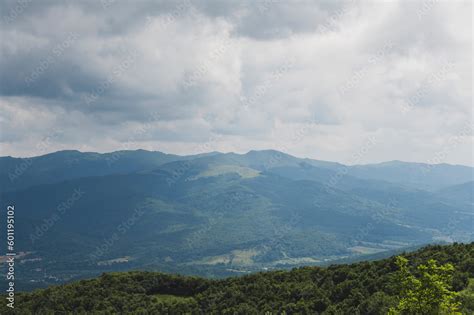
pixel 360 288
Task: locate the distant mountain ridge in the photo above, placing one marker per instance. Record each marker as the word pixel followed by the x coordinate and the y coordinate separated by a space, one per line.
pixel 55 167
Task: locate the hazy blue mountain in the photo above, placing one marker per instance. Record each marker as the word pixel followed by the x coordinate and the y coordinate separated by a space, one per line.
pixel 55 167
pixel 215 214
pixel 416 175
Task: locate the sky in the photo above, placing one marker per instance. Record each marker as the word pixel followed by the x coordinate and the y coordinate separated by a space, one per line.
pixel 350 81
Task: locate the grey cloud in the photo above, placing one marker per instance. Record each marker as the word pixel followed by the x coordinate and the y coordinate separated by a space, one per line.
pixel 211 68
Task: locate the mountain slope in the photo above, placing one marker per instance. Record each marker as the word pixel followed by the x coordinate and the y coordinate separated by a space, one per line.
pixel 462 193
pixel 237 212
pixel 18 173
pixel 212 214
pixel 225 222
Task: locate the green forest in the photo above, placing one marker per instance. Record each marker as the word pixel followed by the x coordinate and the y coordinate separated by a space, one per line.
pixel 438 279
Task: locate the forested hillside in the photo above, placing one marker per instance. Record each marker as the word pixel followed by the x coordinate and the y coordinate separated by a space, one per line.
pixel 360 288
pixel 219 214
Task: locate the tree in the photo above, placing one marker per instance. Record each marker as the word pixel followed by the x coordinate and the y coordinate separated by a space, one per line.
pixel 466 297
pixel 427 292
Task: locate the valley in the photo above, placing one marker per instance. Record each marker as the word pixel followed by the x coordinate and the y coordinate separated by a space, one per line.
pixel 220 214
pixel 369 287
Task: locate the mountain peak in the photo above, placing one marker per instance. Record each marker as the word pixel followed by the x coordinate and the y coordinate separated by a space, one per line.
pixel 267 152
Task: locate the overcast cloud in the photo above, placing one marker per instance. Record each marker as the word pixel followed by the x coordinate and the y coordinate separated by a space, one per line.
pixel 314 79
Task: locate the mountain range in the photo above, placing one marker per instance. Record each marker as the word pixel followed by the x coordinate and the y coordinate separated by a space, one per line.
pixel 78 214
